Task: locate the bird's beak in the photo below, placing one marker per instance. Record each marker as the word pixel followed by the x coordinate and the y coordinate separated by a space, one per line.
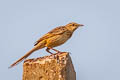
pixel 80 25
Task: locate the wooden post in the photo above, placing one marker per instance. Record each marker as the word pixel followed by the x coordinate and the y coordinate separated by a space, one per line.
pixel 54 67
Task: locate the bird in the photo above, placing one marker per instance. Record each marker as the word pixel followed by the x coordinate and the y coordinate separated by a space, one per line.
pixel 53 38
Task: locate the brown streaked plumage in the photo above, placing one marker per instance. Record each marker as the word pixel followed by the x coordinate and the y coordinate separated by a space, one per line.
pixel 55 37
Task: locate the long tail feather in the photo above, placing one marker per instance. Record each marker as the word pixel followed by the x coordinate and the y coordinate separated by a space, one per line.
pixel 22 58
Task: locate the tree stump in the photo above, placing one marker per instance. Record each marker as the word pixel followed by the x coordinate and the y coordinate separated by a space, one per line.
pixel 54 67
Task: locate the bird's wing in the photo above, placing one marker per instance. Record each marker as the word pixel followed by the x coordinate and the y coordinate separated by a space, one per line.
pixel 55 31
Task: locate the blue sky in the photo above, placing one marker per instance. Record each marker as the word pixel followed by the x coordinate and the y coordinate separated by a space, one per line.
pixel 95 48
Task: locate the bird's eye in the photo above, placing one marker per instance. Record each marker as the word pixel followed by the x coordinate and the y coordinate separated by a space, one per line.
pixel 73 25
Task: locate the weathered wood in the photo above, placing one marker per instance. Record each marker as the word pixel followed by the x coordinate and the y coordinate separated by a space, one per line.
pixel 54 67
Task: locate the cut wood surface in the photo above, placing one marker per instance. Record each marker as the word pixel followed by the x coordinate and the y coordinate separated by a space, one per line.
pixel 54 67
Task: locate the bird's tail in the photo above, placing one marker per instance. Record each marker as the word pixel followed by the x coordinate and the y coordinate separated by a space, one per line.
pixel 22 58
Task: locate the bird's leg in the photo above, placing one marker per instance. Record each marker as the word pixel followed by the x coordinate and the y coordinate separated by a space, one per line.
pixel 55 50
pixel 48 50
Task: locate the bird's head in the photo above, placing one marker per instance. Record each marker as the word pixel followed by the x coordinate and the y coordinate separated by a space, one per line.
pixel 73 26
